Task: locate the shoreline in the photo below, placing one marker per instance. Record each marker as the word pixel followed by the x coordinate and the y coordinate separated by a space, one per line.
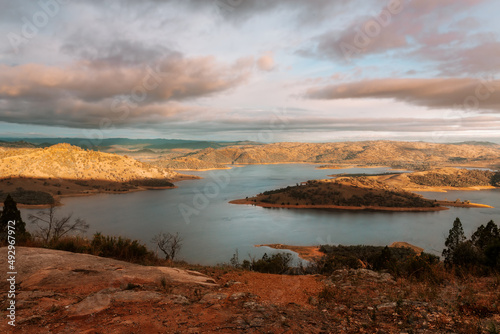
pixel 465 205
pixel 339 207
pixel 57 198
pixel 309 253
pixel 199 170
pixel 306 253
pixel 355 166
pixel 448 189
pixel 92 192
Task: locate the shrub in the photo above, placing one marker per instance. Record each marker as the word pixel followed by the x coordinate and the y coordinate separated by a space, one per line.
pixel 72 244
pixel 275 264
pixel 399 262
pixel 121 249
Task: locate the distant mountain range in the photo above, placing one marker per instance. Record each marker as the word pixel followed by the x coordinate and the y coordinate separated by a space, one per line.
pixel 108 142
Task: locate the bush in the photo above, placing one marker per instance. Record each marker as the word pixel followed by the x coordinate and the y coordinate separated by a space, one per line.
pixel 72 244
pixel 121 249
pixel 399 262
pixel 274 264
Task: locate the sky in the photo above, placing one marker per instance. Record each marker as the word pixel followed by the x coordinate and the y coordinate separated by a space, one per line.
pixel 269 71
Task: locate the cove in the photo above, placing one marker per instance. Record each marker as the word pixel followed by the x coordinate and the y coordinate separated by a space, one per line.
pixel 215 229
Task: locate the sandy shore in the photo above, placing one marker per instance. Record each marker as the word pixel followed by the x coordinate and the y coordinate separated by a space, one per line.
pixel 351 166
pixel 199 170
pixel 464 205
pixel 337 207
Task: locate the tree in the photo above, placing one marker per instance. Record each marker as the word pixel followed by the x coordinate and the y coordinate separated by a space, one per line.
pixel 11 213
pixel 486 235
pixel 486 240
pixel 51 228
pixel 168 243
pixel 455 238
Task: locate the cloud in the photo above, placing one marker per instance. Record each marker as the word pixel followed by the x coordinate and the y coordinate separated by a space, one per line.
pixel 266 62
pixel 398 24
pixel 84 93
pixel 466 93
pixel 174 77
pixel 256 125
pixel 102 52
pixel 479 58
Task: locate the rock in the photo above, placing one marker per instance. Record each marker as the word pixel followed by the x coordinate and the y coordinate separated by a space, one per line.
pixel 136 296
pixel 386 306
pixel 231 283
pixel 33 320
pixel 239 295
pixel 359 277
pixel 251 305
pixel 313 301
pixel 48 269
pixel 213 297
pixel 257 322
pixel 90 305
pixel 240 322
pixel 25 295
pixel 176 299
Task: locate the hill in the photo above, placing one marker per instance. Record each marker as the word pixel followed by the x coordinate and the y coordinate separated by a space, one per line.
pixel 442 179
pixel 64 169
pixel 70 162
pixel 396 154
pixel 103 144
pixel 187 163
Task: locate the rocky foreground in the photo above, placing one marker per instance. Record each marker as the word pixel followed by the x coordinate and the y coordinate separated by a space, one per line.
pixel 61 292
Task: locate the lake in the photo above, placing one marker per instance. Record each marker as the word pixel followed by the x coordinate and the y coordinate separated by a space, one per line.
pixel 213 229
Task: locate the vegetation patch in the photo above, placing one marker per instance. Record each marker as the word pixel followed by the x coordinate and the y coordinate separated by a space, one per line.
pixel 29 197
pixel 458 178
pixel 344 192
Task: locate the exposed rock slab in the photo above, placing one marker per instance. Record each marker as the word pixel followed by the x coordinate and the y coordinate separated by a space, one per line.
pixel 46 269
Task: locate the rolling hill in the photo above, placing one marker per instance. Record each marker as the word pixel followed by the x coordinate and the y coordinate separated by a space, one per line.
pixel 398 154
pixel 38 175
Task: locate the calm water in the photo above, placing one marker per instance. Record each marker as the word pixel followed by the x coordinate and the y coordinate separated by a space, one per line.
pixel 212 228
